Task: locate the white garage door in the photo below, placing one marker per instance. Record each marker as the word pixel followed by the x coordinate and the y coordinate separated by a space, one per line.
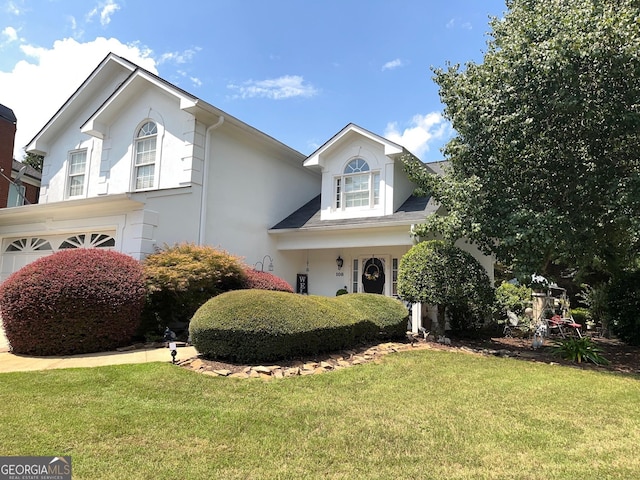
pixel 19 251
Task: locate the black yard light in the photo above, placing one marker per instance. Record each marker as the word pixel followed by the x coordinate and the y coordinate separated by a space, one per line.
pixel 170 339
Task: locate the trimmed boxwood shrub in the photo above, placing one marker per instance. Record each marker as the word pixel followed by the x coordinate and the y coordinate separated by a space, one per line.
pixel 74 301
pixel 265 281
pixel 182 277
pixel 262 326
pixel 389 316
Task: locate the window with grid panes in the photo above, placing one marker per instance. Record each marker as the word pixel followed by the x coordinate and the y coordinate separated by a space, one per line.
pixel 76 176
pixel 145 156
pixel 358 186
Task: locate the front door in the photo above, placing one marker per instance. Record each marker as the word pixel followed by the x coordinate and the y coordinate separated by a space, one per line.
pixel 373 278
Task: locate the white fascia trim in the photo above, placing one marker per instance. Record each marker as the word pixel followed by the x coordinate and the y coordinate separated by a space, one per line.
pixel 390 148
pixel 39 211
pixel 93 126
pixel 40 147
pixel 324 228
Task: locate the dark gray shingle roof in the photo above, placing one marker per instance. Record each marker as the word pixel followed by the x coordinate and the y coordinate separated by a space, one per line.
pixel 7 114
pixel 413 210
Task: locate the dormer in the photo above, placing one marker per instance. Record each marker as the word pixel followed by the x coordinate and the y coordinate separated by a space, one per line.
pixel 362 175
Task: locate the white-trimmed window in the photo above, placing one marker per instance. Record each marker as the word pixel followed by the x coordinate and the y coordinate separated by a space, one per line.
pixel 358 186
pixel 145 156
pixel 16 195
pixel 77 170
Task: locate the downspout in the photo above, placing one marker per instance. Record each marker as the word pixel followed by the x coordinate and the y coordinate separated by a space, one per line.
pixel 205 180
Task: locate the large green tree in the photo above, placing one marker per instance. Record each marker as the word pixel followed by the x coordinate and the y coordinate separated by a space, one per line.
pixel 544 166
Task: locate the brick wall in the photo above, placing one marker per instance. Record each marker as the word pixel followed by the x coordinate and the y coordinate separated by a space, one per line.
pixel 7 139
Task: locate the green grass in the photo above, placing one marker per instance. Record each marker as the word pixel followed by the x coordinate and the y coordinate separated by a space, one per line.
pixel 424 414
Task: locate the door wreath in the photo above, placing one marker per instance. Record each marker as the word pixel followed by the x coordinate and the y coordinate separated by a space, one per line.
pixel 372 272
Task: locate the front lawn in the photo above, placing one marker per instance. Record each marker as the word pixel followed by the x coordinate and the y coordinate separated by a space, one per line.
pixel 423 414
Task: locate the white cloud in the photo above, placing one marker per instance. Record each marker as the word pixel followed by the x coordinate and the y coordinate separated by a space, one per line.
pixel 38 85
pixel 10 34
pixel 109 9
pixel 195 81
pixel 178 58
pixel 393 64
pixel 287 86
pixel 104 10
pixel 422 131
pixel 13 8
pixel 455 23
pixel 78 31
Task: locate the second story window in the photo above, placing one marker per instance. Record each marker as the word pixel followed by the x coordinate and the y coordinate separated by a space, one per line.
pixel 358 186
pixel 16 195
pixel 145 156
pixel 77 170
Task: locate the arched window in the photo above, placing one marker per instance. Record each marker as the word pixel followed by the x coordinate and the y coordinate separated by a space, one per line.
pixel 145 156
pixel 358 186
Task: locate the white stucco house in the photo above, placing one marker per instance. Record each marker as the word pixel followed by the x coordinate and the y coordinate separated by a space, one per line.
pixel 133 162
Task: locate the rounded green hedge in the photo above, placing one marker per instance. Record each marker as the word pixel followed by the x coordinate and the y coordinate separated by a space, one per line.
pixel 388 315
pixel 259 325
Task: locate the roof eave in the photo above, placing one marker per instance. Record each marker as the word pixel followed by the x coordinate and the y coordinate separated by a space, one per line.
pixel 39 144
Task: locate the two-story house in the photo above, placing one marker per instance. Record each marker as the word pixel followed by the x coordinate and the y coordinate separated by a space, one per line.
pixel 132 162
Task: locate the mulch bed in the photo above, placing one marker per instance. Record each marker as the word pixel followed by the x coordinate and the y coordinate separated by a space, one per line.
pixel 623 358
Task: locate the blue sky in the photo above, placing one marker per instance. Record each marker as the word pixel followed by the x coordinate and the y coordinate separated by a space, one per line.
pixel 298 70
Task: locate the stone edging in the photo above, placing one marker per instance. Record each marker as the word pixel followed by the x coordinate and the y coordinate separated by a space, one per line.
pixel 344 359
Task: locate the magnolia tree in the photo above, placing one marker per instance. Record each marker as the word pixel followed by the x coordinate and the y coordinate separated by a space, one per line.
pixel 437 273
pixel 545 164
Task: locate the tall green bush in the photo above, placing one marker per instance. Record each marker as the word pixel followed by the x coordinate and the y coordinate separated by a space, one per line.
pixel 441 274
pixel 74 301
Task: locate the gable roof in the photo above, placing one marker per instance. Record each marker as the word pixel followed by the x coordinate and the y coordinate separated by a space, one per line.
pixel 135 74
pixel 95 125
pixel 111 64
pixel 345 135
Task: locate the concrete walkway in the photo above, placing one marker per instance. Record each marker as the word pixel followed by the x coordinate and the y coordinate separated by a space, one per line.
pixel 21 363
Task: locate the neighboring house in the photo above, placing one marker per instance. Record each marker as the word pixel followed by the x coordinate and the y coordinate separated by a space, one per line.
pixel 132 162
pixel 19 183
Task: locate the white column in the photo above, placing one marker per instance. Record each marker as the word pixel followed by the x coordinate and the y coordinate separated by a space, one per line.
pixel 416 317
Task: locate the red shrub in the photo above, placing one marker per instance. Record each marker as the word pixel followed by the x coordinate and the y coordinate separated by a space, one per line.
pixel 266 281
pixel 74 301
